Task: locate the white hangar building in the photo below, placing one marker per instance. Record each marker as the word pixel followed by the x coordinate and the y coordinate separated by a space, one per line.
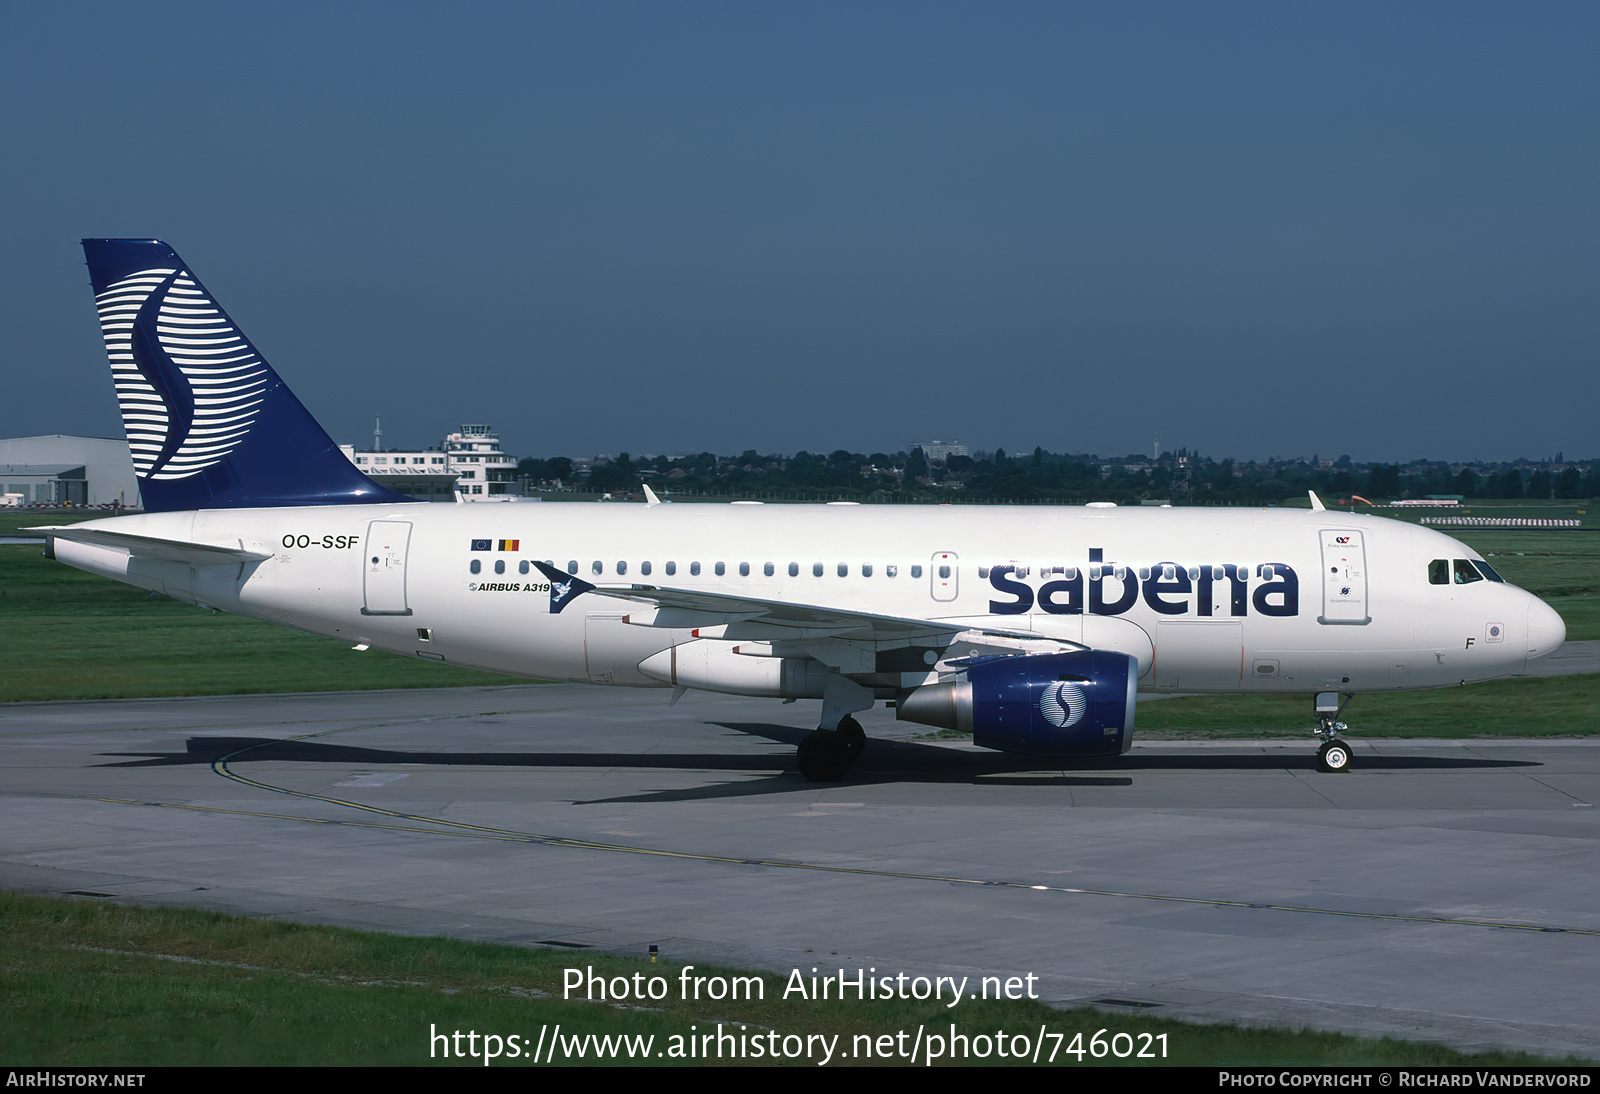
pixel 62 470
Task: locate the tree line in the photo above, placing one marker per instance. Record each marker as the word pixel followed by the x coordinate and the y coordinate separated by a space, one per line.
pixel 1182 477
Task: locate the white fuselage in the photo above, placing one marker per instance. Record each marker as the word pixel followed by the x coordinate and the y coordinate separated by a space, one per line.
pixel 1208 600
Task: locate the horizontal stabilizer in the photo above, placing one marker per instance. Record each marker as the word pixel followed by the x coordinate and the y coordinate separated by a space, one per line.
pixel 171 550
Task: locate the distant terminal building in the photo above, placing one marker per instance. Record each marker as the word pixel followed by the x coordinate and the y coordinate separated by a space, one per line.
pixel 61 470
pixel 939 451
pixel 469 461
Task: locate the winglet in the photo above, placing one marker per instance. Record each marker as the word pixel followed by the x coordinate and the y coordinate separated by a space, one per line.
pixel 650 496
pixel 564 587
pixel 1316 502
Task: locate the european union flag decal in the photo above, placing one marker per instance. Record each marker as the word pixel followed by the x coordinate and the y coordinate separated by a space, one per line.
pixel 482 545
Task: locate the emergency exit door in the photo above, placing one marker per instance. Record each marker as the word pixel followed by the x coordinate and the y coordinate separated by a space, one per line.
pixel 944 577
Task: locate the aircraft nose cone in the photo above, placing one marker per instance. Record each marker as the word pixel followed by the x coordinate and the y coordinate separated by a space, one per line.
pixel 1546 631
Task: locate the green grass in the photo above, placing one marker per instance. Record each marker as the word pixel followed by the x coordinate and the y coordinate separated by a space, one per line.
pixel 1583 509
pixel 1561 567
pixel 74 635
pixel 1544 706
pixel 256 992
pixel 13 521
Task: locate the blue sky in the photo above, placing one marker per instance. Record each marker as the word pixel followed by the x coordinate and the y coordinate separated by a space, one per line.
pixel 1255 229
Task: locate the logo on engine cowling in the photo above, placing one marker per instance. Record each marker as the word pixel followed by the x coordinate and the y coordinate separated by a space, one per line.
pixel 1062 703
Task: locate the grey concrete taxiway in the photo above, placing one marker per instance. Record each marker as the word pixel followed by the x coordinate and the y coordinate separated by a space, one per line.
pixel 1440 890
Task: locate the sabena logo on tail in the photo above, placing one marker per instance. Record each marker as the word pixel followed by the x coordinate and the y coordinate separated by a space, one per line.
pixel 189 385
pixel 209 424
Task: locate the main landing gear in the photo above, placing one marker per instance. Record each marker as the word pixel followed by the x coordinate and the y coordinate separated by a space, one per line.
pixel 1334 755
pixel 825 754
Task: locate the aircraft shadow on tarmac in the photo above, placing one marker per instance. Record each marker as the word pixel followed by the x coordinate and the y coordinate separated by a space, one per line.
pixel 882 763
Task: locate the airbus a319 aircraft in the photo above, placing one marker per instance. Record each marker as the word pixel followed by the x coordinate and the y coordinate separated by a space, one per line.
pixel 1029 627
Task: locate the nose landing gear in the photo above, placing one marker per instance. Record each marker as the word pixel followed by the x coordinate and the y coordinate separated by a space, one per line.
pixel 1334 755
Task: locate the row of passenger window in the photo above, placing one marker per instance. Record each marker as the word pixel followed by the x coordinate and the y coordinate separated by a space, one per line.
pixel 1167 571
pixel 768 569
pixel 720 569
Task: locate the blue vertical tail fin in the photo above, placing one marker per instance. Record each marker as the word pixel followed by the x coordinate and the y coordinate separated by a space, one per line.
pixel 209 424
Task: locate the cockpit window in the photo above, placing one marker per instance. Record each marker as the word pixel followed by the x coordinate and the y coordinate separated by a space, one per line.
pixel 1466 573
pixel 1487 570
pixel 1439 572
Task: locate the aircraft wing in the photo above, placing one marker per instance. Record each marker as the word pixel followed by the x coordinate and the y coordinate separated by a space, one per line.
pixel 695 608
pixel 171 550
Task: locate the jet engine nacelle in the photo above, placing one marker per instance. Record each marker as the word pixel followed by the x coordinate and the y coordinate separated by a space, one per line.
pixel 1076 704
